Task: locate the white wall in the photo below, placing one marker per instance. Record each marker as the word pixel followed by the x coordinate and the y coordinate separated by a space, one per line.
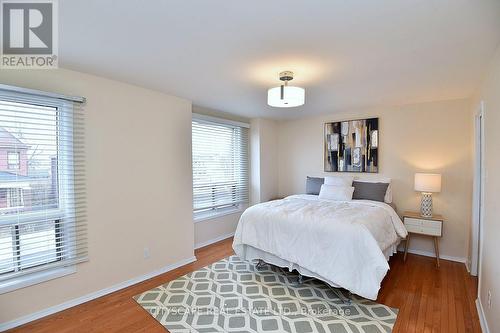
pixel 139 193
pixel 433 137
pixel 489 275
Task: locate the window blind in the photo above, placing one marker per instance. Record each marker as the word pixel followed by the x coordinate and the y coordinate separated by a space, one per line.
pixel 42 183
pixel 220 165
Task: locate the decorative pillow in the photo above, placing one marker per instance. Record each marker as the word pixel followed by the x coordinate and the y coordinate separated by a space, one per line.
pixel 339 180
pixel 313 185
pixel 369 191
pixel 388 194
pixel 337 193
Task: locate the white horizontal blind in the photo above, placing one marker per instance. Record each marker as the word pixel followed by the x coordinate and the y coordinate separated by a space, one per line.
pixel 42 184
pixel 220 165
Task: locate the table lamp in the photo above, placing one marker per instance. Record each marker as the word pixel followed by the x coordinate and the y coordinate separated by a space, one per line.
pixel 427 183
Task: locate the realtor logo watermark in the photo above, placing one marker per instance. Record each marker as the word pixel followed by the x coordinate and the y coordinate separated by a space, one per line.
pixel 29 34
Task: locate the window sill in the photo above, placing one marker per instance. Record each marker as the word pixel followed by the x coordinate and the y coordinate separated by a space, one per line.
pixel 217 214
pixel 35 278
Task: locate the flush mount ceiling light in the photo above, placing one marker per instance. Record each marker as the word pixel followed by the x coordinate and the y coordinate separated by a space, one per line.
pixel 286 96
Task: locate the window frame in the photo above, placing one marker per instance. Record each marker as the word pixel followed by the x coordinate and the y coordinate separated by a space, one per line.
pixel 16 246
pixel 65 199
pixel 216 212
pixel 18 154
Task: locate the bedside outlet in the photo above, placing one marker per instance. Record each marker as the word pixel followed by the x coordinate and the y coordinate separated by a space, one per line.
pixel 146 253
pixel 489 299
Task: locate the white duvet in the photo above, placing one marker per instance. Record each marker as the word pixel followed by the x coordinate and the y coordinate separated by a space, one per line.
pixel 342 242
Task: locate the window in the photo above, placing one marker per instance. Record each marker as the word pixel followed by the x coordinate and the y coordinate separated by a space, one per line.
pixel 42 226
pixel 220 166
pixel 13 161
pixel 15 198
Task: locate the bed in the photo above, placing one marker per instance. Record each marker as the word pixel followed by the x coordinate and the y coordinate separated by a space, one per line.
pixel 344 243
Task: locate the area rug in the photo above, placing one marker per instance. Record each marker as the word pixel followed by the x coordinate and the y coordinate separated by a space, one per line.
pixel 235 296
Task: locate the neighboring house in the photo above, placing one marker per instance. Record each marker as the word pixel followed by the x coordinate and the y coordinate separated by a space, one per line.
pixel 14 180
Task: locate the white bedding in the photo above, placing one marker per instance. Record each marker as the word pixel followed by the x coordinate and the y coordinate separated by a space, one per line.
pixel 341 242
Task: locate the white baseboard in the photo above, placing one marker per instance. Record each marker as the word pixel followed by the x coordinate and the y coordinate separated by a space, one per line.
pixel 214 240
pixel 482 319
pixel 63 306
pixel 432 254
pixel 467 265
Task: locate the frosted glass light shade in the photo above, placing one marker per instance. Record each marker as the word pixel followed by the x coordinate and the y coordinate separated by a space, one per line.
pixel 293 96
pixel 428 182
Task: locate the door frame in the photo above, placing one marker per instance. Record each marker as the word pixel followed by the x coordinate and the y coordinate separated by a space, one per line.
pixel 478 191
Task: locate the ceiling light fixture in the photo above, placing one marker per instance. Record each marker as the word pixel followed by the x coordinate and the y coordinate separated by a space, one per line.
pixel 286 96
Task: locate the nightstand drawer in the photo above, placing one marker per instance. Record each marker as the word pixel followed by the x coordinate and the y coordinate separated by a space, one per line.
pixel 424 227
pixel 414 222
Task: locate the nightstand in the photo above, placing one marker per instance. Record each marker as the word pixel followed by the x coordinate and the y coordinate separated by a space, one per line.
pixel 417 224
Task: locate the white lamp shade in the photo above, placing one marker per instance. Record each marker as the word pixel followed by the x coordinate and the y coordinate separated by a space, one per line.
pixel 293 96
pixel 428 182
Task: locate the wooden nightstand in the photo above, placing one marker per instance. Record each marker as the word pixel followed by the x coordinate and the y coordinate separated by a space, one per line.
pixel 427 226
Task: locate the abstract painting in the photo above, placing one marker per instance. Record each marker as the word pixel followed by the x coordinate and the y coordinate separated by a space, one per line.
pixel 352 146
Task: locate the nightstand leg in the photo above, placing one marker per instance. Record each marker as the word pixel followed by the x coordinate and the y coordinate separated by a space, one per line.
pixel 407 245
pixel 436 248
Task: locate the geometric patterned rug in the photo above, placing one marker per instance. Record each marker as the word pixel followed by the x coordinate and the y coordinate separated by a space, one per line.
pixel 233 295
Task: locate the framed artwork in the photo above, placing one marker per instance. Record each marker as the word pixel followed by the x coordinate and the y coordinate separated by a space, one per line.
pixel 351 146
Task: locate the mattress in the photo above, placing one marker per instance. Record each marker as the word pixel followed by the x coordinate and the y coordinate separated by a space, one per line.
pixel 346 244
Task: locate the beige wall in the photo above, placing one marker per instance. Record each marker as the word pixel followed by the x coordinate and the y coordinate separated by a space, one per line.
pixel 263 160
pixel 215 229
pixel 489 275
pixel 430 137
pixel 219 114
pixel 138 151
pixel 268 160
pixel 254 161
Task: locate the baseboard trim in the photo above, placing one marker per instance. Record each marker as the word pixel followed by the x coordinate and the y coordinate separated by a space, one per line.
pixel 66 305
pixel 482 319
pixel 433 255
pixel 213 240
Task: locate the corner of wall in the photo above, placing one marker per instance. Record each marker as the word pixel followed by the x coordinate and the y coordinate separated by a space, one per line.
pixel 263 160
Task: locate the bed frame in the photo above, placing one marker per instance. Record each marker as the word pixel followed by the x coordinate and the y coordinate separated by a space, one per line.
pixel 302 279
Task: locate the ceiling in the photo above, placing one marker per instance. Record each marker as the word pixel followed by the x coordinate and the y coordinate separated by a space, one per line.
pixel 224 55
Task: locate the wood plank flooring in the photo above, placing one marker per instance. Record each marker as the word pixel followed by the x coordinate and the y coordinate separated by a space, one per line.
pixel 429 299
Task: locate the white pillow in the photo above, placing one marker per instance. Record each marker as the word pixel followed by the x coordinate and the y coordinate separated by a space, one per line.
pixel 336 193
pixel 339 180
pixel 388 193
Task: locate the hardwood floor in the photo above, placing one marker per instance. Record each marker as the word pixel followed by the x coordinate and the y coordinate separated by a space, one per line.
pixel 429 299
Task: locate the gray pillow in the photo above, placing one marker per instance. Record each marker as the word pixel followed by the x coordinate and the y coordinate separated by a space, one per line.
pixel 369 191
pixel 313 185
